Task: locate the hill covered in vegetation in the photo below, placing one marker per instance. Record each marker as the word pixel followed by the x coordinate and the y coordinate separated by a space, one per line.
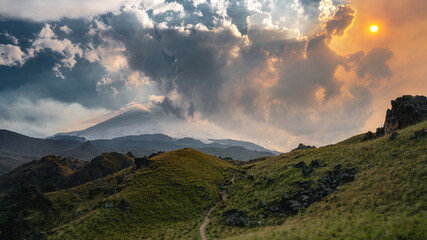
pixel 383 197
pixel 165 199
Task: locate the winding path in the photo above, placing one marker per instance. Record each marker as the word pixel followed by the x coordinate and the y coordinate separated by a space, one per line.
pixel 207 220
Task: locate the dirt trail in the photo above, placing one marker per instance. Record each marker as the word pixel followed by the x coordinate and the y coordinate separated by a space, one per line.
pixel 207 220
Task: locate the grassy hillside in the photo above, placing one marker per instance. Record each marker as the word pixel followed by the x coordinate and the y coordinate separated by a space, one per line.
pixel 166 200
pixel 387 199
pixel 45 173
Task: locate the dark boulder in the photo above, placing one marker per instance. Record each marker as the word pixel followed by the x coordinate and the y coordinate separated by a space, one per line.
pixel 369 136
pixel 393 136
pixel 315 163
pixel 236 217
pixel 380 132
pixel 419 134
pixel 405 111
pixel 306 170
pixel 124 205
pixel 299 164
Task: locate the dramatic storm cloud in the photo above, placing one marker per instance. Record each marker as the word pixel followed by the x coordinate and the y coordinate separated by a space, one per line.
pixel 264 71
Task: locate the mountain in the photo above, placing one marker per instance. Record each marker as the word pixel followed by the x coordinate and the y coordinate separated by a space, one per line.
pixel 85 151
pixel 16 149
pixel 68 138
pixel 99 167
pixel 245 144
pixel 52 173
pixel 139 122
pixel 150 143
pixel 159 201
pixel 46 174
pixel 336 191
pixel 359 188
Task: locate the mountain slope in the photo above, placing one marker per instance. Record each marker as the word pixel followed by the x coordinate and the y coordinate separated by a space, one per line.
pixel 85 151
pixel 16 148
pixel 46 174
pixel 165 200
pixel 138 121
pixel 245 144
pixel 99 167
pixel 386 199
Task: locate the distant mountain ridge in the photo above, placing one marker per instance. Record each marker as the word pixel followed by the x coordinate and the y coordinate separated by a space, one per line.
pixel 245 144
pixel 16 149
pixel 137 121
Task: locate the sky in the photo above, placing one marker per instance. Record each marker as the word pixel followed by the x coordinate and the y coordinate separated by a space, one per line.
pixel 273 72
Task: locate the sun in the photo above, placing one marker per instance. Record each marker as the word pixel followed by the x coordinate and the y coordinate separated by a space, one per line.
pixel 373 28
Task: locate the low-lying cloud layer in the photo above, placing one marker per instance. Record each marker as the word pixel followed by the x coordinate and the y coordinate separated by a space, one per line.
pixel 262 70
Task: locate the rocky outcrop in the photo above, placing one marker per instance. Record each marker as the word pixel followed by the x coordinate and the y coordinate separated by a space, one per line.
pixel 99 167
pixel 302 147
pixel 236 217
pixel 380 132
pixel 292 202
pixel 368 136
pixel 405 111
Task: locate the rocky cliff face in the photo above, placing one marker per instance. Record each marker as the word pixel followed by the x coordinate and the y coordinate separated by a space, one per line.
pixel 405 111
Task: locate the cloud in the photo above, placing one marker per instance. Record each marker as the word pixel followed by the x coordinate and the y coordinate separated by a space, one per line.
pixel 45 117
pixel 10 37
pixel 342 19
pixel 11 55
pixel 47 10
pixel 69 51
pixel 48 40
pixel 160 6
pixel 167 107
pixel 268 75
pixel 244 66
pixel 373 64
pixel 66 29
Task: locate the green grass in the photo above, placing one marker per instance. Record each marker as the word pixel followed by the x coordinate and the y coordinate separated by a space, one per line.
pixel 388 199
pixel 166 198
